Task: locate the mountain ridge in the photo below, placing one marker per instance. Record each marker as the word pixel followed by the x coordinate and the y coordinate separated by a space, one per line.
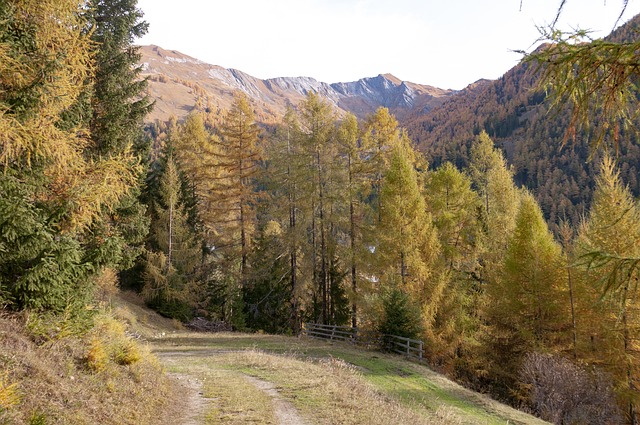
pixel 180 83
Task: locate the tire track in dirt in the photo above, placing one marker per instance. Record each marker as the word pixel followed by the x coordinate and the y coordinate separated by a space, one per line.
pixel 286 413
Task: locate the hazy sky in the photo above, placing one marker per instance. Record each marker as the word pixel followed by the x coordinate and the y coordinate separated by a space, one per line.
pixel 444 43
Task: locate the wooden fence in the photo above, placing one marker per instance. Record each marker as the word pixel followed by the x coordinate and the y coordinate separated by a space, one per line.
pixel 412 348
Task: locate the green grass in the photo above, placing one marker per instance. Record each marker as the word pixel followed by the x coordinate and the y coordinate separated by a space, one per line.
pixel 412 385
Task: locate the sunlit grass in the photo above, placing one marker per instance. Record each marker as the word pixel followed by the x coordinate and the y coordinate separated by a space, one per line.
pixel 321 377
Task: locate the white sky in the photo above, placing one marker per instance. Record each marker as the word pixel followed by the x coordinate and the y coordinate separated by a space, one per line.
pixel 444 43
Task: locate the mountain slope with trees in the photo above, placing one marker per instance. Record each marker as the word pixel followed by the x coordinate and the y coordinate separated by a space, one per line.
pixel 558 167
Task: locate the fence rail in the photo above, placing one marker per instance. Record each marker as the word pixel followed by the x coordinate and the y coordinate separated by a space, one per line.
pixel 412 348
pixel 407 346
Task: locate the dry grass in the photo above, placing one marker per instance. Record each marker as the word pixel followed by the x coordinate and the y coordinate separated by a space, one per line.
pixel 326 391
pixel 236 401
pixel 51 381
pixel 329 390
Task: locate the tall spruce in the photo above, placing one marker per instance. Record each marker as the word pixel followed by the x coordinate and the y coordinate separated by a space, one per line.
pixel 118 105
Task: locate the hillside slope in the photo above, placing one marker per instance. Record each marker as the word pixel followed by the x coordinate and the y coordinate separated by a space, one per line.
pixel 50 375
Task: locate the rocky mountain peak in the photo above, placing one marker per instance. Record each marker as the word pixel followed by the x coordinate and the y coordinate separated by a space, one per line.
pixel 178 82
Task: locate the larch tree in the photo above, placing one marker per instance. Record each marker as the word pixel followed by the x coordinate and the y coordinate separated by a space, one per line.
pixel 526 302
pixel 317 125
pixel 380 133
pixel 54 191
pixel 287 174
pixel 409 245
pixel 500 198
pixel 454 207
pixel 612 232
pixel 171 281
pixel 238 159
pixel 355 152
pixel 195 152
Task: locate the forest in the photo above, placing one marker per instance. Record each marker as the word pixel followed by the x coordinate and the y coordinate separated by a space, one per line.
pixel 321 218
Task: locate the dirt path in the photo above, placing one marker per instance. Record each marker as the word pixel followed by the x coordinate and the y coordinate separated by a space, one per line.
pixel 285 412
pixel 189 404
pixel 192 405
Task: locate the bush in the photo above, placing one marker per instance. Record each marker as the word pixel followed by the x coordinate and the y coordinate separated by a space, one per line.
pixel 563 393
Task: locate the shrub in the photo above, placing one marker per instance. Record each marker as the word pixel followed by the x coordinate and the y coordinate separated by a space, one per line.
pixel 97 358
pixel 127 352
pixel 9 396
pixel 563 393
pixel 109 343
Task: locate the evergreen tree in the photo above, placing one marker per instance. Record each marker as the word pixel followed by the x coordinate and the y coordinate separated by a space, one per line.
pixel 401 315
pixel 119 103
pixel 267 295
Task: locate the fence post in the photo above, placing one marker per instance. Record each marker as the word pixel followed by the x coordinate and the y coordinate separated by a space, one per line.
pixel 408 347
pixel 420 352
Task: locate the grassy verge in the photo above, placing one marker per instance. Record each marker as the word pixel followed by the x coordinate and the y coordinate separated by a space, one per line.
pixel 336 383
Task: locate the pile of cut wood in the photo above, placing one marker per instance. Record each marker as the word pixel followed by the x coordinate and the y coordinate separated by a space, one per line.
pixel 200 324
